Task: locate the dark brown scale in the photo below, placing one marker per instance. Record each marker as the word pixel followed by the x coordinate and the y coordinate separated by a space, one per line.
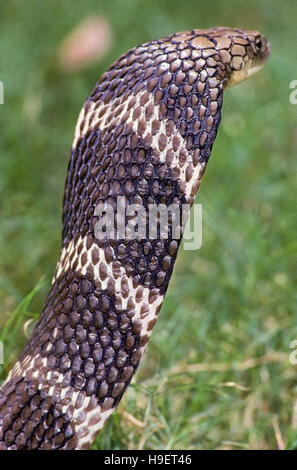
pixel 22 431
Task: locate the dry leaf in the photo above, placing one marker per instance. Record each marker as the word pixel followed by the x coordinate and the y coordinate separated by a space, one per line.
pixel 87 43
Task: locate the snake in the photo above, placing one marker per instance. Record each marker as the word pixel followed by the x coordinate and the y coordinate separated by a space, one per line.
pixel 144 134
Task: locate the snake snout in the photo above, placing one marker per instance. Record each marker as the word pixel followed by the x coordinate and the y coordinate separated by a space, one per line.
pixel 265 50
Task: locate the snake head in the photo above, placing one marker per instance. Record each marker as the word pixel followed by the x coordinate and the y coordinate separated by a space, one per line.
pixel 243 53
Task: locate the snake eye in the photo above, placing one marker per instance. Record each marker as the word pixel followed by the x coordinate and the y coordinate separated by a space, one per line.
pixel 259 44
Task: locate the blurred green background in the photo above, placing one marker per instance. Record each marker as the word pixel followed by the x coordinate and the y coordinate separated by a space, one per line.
pixel 216 374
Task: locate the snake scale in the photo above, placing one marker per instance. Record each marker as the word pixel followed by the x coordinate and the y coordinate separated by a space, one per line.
pixel 145 133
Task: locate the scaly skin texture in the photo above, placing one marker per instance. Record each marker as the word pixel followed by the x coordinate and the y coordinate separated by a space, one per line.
pixel 146 133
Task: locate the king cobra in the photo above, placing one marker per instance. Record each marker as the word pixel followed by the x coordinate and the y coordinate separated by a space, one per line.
pixel 145 133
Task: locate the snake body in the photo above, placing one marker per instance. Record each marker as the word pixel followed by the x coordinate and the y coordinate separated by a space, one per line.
pixel 145 133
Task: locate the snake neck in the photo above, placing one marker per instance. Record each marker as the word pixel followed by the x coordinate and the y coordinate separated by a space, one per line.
pixel 145 135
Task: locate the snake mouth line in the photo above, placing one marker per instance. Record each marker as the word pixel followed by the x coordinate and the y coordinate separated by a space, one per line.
pixel 251 66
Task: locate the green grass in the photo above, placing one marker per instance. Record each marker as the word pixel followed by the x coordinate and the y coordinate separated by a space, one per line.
pixel 216 373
